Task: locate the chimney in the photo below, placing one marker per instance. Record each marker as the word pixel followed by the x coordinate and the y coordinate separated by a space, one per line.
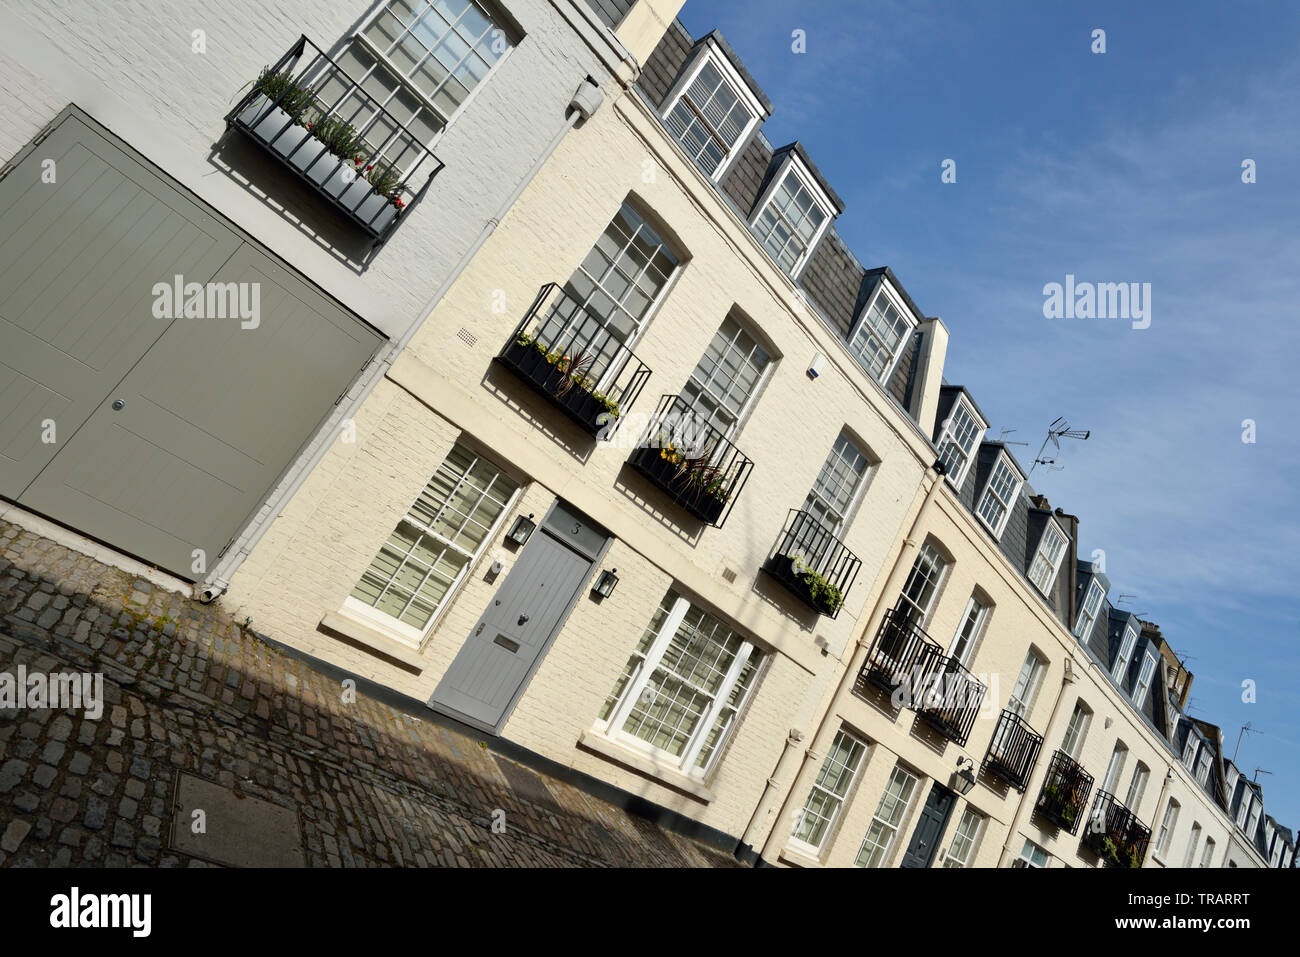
pixel 929 373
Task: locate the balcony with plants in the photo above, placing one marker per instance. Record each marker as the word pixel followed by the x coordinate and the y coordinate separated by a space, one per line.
pixel 1065 792
pixel 813 564
pixel 1013 752
pixel 336 138
pixel 1115 834
pixel 570 356
pixel 691 461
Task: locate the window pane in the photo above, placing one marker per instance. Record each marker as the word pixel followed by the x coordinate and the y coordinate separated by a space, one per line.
pixel 828 791
pixel 440 536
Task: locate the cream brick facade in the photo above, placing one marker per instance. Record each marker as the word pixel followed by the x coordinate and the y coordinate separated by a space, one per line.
pixel 1019 620
pixel 442 388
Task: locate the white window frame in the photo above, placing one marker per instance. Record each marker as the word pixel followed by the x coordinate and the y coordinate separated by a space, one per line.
pixel 794 166
pixel 1253 821
pixel 1207 855
pixel 943 565
pixel 1026 686
pixel 642 323
pixel 1053 567
pixel 1115 767
pixel 1137 786
pixel 1089 609
pixel 713 54
pixel 1072 748
pixel 838 799
pixel 1125 655
pixel 490 10
pixel 971 837
pixel 1003 460
pixel 1168 824
pixel 980 611
pixel 1243 807
pixel 369 615
pixel 1029 858
pixel 859 486
pixel 961 405
pixel 1189 749
pixel 612 727
pixel 1146 674
pixel 896 300
pixel 1203 767
pixel 1193 843
pixel 893 828
pixel 742 416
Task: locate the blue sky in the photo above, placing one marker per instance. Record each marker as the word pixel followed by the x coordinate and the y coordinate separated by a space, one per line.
pixel 1115 167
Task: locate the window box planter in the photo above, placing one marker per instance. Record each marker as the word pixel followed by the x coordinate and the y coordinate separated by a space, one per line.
pixel 530 363
pixel 1065 792
pixel 1115 834
pixel 791 572
pixel 666 472
pixel 302 73
pixel 565 353
pixel 813 564
pixel 691 461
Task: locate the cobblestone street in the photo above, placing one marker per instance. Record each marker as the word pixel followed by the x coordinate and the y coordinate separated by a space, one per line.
pixel 187 690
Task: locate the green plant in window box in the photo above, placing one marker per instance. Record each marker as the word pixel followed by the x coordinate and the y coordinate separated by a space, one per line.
pixel 577 367
pixel 287 93
pixel 824 594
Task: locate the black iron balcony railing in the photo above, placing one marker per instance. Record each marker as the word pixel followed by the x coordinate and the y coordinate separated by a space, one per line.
pixel 813 564
pixel 1065 792
pixel 567 353
pixel 1115 834
pixel 339 139
pixel 1013 752
pixel 952 696
pixel 934 685
pixel 897 656
pixel 691 461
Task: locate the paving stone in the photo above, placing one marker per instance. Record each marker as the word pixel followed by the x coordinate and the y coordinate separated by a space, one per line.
pixel 365 785
pixel 14 834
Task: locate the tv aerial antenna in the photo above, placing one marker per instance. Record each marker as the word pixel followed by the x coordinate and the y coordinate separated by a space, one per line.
pixel 1059 429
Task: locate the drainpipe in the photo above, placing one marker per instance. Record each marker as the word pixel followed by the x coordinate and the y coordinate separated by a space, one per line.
pixel 745 851
pixel 897 575
pixel 1067 679
pixel 586 100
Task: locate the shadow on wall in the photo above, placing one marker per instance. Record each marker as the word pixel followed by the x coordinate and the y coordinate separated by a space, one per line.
pixel 284 195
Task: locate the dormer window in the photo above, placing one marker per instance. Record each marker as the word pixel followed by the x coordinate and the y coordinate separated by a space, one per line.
pixel 880 334
pixel 1125 654
pixel 962 431
pixel 1047 560
pixel 999 495
pixel 1143 686
pixel 712 112
pixel 791 216
pixel 1088 610
pixel 1203 767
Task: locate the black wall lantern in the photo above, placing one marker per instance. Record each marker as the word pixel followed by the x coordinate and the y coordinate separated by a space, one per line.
pixel 963 779
pixel 604 586
pixel 521 529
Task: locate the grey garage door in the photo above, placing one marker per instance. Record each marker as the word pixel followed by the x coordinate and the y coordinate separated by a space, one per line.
pixel 153 431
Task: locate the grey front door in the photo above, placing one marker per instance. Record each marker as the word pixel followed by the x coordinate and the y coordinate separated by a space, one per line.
pixel 929 827
pixel 168 430
pixel 492 666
